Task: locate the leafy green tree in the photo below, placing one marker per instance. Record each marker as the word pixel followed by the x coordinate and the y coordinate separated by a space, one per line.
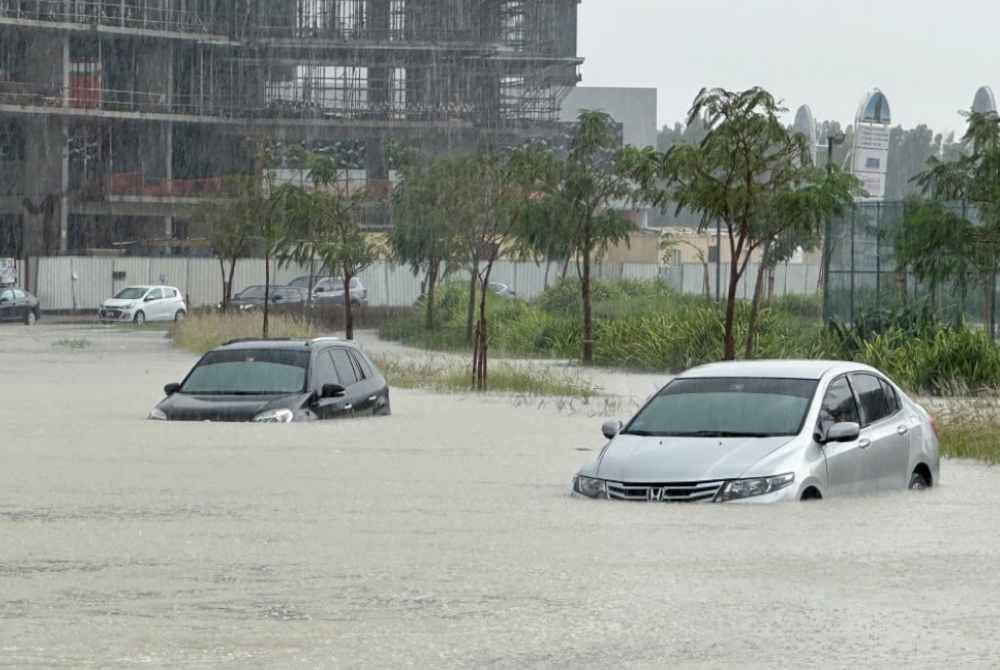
pixel 344 248
pixel 427 213
pixel 230 226
pixel 748 167
pixel 972 178
pixel 581 190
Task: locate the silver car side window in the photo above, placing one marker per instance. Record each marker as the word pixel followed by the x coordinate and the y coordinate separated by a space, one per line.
pixel 871 398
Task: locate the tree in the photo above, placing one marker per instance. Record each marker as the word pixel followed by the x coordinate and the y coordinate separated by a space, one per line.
pixel 498 188
pixel 310 217
pixel 746 169
pixel 347 251
pixel 580 190
pixel 973 178
pixel 427 214
pixel 229 225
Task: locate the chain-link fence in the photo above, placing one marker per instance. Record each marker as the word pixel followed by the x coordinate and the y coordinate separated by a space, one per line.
pixel 863 281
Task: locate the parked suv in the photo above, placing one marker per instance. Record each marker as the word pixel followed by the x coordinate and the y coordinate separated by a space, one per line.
pixel 282 299
pixel 277 381
pixel 139 304
pixel 330 290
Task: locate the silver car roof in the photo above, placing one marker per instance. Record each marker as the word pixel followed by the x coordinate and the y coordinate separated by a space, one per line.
pixel 778 369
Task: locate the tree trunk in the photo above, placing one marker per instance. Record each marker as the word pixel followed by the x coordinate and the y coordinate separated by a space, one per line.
pixel 470 317
pixel 754 306
pixel 588 322
pixel 312 284
pixel 548 266
pixel 222 272
pixel 229 284
pixel 770 284
pixel 707 282
pixel 565 268
pixel 267 291
pixel 480 376
pixel 729 343
pixel 348 311
pixel 432 272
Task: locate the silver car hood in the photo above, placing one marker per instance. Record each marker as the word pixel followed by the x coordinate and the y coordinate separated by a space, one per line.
pixel 635 458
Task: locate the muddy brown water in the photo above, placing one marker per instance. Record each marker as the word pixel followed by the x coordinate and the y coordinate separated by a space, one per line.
pixel 442 536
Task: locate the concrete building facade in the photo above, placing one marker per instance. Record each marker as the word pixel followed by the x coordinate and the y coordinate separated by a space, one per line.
pixel 118 116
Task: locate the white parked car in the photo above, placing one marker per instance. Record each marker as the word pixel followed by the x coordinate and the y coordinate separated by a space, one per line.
pixel 139 304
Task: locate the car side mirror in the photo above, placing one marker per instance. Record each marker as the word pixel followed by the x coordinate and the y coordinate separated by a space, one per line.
pixel 333 391
pixel 149 298
pixel 319 289
pixel 611 428
pixel 845 431
pixel 171 389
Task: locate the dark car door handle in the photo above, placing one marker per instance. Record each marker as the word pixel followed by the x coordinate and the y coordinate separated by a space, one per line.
pixel 902 430
pixel 864 443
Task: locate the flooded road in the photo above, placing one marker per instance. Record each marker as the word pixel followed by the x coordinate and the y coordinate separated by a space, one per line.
pixel 442 536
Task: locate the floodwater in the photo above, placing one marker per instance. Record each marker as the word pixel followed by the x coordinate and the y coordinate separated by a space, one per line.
pixel 442 536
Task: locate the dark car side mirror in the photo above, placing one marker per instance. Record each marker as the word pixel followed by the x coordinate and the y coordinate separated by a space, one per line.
pixel 845 431
pixel 611 428
pixel 332 391
pixel 319 289
pixel 171 389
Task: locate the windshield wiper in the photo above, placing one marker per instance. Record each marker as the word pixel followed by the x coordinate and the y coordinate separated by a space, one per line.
pixel 720 433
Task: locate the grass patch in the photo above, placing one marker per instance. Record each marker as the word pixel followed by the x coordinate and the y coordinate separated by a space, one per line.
pixel 503 378
pixel 980 442
pixel 72 343
pixel 203 331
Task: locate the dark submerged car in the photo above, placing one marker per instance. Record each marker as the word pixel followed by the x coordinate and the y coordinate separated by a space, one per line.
pixel 277 381
pixel 18 305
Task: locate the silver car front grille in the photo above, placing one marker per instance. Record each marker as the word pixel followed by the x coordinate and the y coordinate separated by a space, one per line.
pixel 665 491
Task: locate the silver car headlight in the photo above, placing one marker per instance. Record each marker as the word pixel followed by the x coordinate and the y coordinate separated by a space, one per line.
pixel 275 416
pixel 757 486
pixel 590 487
pixel 157 414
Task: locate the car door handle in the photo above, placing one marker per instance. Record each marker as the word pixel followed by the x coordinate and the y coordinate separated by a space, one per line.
pixel 372 398
pixel 864 443
pixel 348 407
pixel 902 430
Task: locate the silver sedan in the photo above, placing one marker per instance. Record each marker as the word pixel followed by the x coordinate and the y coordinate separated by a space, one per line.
pixel 767 431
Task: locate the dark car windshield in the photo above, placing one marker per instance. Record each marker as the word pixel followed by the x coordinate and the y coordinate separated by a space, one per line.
pixel 726 407
pixel 249 372
pixel 130 293
pixel 252 292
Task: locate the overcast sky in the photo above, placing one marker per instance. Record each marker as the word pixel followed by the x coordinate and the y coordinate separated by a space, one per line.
pixel 928 57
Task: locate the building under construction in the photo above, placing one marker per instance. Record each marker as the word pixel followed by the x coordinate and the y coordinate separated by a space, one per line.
pixel 117 116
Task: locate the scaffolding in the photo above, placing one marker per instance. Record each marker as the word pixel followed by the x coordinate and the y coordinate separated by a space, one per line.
pixel 156 100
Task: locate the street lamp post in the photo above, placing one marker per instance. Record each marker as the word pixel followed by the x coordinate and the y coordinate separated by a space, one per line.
pixel 831 140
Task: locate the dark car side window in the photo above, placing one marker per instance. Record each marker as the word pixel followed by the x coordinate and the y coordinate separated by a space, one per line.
pixel 838 404
pixel 871 397
pixel 361 362
pixel 324 371
pixel 345 369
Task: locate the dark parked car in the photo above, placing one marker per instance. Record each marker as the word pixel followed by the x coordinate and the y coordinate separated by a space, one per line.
pixel 18 305
pixel 330 290
pixel 282 298
pixel 277 381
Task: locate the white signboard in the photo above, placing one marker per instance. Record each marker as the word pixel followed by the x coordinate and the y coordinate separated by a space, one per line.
pixel 8 271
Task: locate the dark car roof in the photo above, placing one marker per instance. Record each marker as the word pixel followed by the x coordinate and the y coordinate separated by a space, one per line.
pixel 284 343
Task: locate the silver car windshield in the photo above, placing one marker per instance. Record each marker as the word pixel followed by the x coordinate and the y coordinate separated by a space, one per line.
pixel 249 372
pixel 726 407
